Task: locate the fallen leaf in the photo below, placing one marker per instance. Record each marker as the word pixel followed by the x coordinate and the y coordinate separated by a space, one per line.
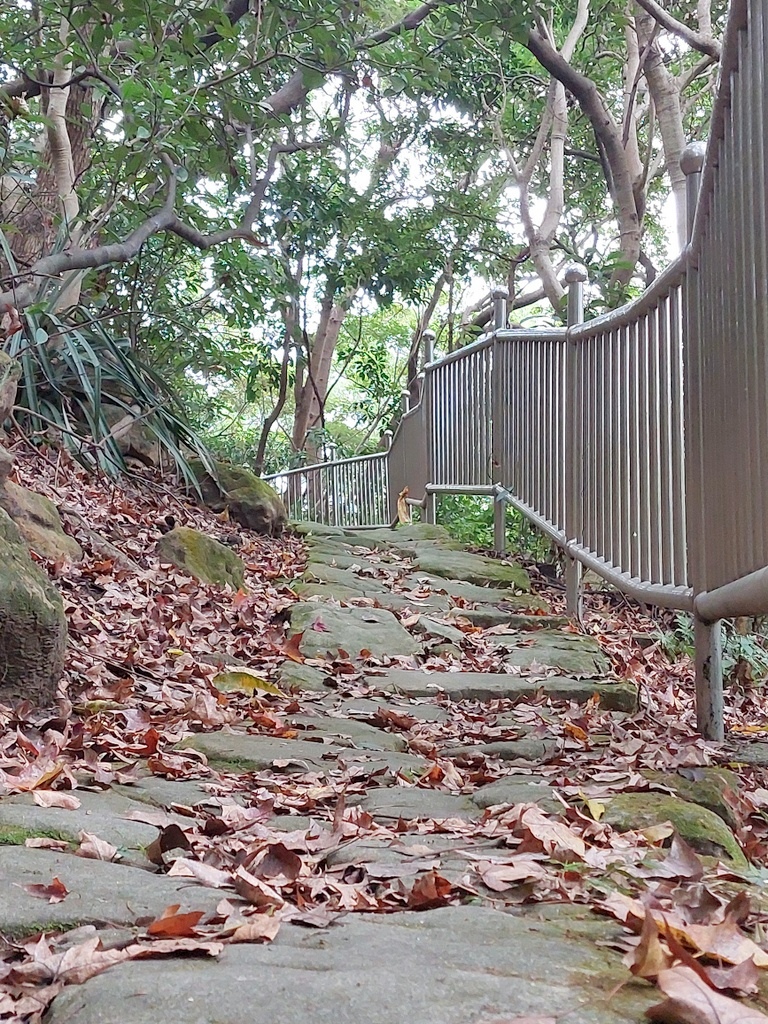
pixel 55 798
pixel 54 893
pixel 650 957
pixel 45 843
pixel 242 680
pixel 258 928
pixel 431 890
pixel 96 849
pixel 691 1001
pixel 253 889
pixel 291 647
pixel 171 924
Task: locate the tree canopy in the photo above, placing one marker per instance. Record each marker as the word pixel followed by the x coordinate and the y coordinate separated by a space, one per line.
pixel 234 189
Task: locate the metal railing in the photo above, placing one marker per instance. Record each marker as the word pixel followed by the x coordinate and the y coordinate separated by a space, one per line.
pixel 344 492
pixel 638 440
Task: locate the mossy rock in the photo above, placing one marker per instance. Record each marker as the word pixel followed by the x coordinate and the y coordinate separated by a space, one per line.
pixel 202 556
pixel 251 501
pixel 33 626
pixel 701 828
pixel 10 373
pixel 39 523
pixel 462 565
pixel 716 789
pixel 17 835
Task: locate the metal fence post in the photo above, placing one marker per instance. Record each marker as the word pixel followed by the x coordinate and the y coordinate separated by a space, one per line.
pixel 709 679
pixel 708 640
pixel 575 277
pixel 430 508
pixel 499 297
pixel 691 164
pixel 429 337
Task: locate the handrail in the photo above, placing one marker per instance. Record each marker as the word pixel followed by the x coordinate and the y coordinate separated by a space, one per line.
pixel 636 440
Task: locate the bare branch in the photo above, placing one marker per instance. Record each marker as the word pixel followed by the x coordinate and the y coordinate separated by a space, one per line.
pixel 697 41
pixel 609 140
pixel 72 260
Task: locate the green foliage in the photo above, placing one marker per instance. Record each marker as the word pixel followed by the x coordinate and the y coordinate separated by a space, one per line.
pixel 72 371
pixel 739 648
pixel 469 520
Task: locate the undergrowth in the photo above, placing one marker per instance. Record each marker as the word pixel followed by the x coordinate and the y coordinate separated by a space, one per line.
pixel 745 650
pixel 468 519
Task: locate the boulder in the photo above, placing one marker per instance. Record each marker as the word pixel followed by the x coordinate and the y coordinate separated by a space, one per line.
pixel 10 372
pixel 6 464
pixel 132 435
pixel 251 501
pixel 33 627
pixel 39 523
pixel 202 556
pixel 701 828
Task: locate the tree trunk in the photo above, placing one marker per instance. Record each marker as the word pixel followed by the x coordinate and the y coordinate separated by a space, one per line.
pixel 310 404
pixel 665 93
pixel 291 319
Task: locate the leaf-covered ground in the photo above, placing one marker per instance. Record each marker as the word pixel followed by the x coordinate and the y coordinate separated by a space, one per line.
pixel 161 668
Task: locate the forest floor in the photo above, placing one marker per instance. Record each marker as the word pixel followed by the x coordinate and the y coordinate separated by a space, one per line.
pixel 388 780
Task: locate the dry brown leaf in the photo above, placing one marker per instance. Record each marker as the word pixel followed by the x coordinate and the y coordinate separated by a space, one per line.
pixel 650 957
pixel 54 893
pixel 94 848
pixel 253 889
pixel 291 647
pixel 205 874
pixel 45 843
pixel 723 941
pixel 172 924
pixel 55 798
pixel 691 1001
pixel 258 928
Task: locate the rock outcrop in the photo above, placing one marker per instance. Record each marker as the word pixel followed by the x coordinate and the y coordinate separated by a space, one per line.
pixel 251 501
pixel 132 435
pixel 10 372
pixel 33 627
pixel 201 556
pixel 39 523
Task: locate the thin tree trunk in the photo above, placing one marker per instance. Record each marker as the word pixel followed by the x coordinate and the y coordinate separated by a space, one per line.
pixel 415 350
pixel 665 93
pixel 310 407
pixel 290 319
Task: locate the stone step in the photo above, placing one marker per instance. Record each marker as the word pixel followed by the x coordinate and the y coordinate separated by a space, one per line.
pixel 613 695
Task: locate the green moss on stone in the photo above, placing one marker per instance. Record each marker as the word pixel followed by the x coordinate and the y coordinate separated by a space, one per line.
pixel 252 502
pixel 202 556
pixel 708 787
pixel 17 835
pixel 700 827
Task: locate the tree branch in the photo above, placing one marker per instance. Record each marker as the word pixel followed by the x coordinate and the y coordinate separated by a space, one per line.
pixel 609 141
pixel 166 219
pixel 697 41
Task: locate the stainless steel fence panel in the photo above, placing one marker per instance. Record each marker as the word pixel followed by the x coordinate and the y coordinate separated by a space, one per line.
pixel 344 492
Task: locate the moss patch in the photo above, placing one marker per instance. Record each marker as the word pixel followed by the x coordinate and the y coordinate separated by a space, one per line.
pixel 202 556
pixel 17 835
pixel 700 827
pixel 714 788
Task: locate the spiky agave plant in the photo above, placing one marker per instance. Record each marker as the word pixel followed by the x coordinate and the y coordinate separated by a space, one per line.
pixel 73 370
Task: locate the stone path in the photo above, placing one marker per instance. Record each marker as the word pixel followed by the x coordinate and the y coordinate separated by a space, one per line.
pixel 409 611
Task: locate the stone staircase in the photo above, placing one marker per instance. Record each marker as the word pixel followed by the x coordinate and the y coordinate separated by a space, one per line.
pixel 428 684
